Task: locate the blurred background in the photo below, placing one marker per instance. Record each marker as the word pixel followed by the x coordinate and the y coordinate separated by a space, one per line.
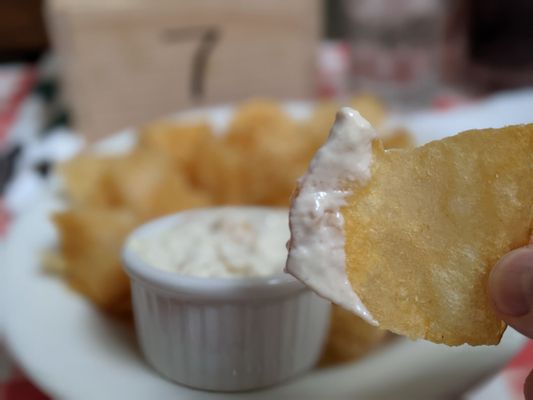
pixel 113 64
pixel 71 68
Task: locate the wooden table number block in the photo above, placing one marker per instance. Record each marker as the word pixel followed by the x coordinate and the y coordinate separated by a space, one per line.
pixel 126 62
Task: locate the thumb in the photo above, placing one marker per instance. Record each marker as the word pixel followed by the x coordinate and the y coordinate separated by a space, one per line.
pixel 511 289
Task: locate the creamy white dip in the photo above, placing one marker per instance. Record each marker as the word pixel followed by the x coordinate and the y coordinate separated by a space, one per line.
pixel 316 253
pixel 222 243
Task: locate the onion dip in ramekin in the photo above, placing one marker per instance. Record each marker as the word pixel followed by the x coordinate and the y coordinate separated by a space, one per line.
pixel 217 312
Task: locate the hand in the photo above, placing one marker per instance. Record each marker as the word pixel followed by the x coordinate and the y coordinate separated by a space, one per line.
pixel 511 290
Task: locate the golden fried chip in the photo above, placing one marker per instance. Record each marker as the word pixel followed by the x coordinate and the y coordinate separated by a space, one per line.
pixel 147 184
pixel 272 167
pixel 219 171
pixel 53 262
pixel 181 142
pixel 284 162
pixel 399 138
pixel 85 180
pixel 423 234
pixel 254 119
pixel 349 338
pixel 260 157
pixel 90 243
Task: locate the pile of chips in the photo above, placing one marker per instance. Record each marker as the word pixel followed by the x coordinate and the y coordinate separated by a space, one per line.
pixel 182 165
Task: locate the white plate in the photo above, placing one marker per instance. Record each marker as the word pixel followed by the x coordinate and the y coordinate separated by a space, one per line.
pixel 73 351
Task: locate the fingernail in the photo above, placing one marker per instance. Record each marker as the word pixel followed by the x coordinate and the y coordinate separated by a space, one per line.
pixel 510 283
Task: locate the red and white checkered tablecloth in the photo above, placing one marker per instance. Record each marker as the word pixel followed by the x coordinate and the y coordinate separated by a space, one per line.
pixel 16 82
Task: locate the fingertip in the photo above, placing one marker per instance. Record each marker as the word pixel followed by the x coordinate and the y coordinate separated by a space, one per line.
pixel 510 283
pixel 528 387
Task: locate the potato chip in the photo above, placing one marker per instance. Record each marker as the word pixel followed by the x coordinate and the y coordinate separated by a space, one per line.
pixel 219 171
pixel 181 142
pixel 54 262
pixel 86 180
pixel 349 338
pixel 147 184
pixel 423 234
pixel 258 160
pixel 254 119
pixel 90 243
pixel 399 138
pixel 279 161
pixel 272 167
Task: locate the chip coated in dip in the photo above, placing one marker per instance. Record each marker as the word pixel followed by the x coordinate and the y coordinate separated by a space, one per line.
pixel 219 243
pixel 317 255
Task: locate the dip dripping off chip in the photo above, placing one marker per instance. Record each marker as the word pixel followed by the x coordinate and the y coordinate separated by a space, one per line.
pixel 424 228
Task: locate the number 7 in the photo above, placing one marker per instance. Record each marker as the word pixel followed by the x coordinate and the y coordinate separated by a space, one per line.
pixel 209 37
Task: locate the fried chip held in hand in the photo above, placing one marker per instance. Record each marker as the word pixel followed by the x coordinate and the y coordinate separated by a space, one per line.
pixel 421 228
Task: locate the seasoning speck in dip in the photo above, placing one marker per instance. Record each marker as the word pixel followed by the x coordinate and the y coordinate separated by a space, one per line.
pixel 219 243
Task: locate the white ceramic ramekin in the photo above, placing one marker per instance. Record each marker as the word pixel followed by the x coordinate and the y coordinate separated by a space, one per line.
pixel 224 334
